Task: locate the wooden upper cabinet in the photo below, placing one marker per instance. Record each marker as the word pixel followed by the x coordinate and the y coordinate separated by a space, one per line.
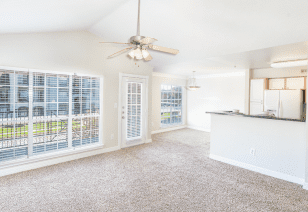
pixel 296 83
pixel 276 84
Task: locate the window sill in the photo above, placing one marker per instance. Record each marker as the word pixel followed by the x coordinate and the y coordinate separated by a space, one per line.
pixel 49 156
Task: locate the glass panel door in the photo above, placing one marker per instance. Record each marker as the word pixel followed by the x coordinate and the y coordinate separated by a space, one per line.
pixel 133 127
pixel 132 111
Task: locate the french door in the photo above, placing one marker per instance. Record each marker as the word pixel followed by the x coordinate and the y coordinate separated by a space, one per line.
pixel 133 111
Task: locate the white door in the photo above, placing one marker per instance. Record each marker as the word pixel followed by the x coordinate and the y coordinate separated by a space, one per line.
pixel 256 108
pixel 271 101
pixel 133 111
pixel 257 90
pixel 290 104
pixel 256 96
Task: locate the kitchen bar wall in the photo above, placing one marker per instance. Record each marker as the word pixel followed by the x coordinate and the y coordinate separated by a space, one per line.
pixel 278 146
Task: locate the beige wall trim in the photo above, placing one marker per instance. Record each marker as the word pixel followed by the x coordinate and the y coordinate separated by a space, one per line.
pixel 247 91
pixel 306 159
pixel 49 159
pixel 169 129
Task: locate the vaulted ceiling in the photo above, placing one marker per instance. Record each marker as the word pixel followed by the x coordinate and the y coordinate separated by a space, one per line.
pixel 207 33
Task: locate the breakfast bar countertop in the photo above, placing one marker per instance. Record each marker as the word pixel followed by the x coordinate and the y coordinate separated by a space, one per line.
pixel 230 113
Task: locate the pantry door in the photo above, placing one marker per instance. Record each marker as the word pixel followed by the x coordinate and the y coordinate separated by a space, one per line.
pixel 133 111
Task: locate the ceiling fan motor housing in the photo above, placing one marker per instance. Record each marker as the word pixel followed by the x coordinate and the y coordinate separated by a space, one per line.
pixel 136 38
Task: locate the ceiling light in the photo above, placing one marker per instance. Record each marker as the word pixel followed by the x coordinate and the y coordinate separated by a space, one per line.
pixel 131 54
pixel 138 54
pixel 291 63
pixel 192 84
pixel 145 53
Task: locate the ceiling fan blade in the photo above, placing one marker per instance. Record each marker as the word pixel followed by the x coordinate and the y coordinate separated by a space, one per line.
pixel 123 50
pixel 163 49
pixel 147 40
pixel 115 42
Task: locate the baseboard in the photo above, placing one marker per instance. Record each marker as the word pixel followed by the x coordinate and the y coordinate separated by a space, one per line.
pixel 268 172
pixel 198 128
pixel 149 141
pixel 39 161
pixel 168 129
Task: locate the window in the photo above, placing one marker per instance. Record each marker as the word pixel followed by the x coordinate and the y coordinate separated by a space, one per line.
pixel 85 101
pixel 57 102
pixel 171 105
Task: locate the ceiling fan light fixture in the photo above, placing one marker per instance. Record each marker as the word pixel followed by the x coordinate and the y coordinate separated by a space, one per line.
pixel 291 63
pixel 142 42
pixel 138 54
pixel 132 53
pixel 145 53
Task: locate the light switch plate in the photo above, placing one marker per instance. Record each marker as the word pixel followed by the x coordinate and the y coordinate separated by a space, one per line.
pixel 115 105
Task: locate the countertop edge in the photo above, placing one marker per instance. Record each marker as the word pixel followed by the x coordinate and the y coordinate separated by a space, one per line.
pixel 252 116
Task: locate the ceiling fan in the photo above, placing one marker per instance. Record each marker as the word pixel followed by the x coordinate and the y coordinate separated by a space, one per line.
pixel 140 44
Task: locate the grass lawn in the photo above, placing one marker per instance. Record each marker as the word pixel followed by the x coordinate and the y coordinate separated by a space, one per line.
pixel 165 116
pixel 38 128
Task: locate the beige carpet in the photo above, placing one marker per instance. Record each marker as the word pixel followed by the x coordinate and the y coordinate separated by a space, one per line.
pixel 173 173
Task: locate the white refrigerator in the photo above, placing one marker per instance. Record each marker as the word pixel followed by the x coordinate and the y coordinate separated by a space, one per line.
pixel 284 103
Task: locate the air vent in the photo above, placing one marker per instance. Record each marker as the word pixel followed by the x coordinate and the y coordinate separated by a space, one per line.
pixel 304 70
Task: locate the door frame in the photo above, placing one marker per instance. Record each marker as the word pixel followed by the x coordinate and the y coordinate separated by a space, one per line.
pixel 146 124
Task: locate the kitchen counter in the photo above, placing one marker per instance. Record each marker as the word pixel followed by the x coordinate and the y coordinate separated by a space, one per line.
pixel 253 116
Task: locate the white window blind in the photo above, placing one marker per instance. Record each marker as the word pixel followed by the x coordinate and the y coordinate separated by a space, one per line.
pixel 64 112
pixel 133 110
pixel 171 105
pixel 14 114
pixel 86 104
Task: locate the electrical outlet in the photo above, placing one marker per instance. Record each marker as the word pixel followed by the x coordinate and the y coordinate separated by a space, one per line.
pixel 152 124
pixel 252 151
pixel 112 136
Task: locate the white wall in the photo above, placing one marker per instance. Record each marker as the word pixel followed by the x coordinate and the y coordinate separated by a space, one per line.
pixel 157 81
pixel 279 145
pixel 217 92
pixel 78 52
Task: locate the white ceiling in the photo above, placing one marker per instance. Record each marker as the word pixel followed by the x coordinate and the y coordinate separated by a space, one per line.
pixel 212 35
